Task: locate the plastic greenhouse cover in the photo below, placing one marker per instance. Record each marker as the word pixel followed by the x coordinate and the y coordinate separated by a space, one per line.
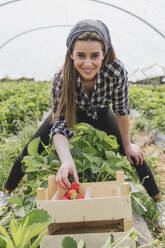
pixel 33 34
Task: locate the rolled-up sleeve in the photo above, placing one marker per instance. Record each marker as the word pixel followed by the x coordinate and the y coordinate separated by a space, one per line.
pixel 59 126
pixel 120 92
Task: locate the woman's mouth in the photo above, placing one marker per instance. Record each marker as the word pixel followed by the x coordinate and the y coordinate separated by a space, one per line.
pixel 88 71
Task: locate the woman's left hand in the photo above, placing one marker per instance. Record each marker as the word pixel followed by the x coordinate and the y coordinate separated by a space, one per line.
pixel 133 151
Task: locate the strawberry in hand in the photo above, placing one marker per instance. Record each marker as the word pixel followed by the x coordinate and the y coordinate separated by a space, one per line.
pixel 75 186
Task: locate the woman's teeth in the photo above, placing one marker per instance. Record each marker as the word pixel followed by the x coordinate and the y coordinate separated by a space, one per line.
pixel 88 70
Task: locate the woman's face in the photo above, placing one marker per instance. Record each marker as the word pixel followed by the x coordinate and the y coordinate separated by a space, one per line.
pixel 87 57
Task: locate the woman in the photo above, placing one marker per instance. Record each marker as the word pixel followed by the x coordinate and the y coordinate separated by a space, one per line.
pixel 92 78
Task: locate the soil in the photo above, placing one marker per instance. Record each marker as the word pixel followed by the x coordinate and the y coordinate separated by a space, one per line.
pixel 146 143
pixel 144 140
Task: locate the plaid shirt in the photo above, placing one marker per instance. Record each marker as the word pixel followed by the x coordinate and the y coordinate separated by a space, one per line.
pixel 111 87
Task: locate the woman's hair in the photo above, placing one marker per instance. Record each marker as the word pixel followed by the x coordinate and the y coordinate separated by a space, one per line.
pixel 67 104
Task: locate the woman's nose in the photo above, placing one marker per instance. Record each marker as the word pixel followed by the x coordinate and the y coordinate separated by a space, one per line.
pixel 87 63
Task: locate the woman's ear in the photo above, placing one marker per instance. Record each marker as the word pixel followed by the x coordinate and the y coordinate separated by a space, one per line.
pixel 71 55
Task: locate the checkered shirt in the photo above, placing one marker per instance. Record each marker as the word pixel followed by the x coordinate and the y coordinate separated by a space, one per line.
pixel 111 87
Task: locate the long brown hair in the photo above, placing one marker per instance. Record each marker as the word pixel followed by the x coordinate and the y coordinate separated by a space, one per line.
pixel 67 104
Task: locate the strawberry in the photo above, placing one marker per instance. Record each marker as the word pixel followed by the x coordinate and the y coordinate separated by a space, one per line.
pixel 65 198
pixel 72 194
pixel 80 196
pixel 75 186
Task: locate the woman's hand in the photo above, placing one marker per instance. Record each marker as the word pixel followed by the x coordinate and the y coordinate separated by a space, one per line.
pixel 133 151
pixel 67 168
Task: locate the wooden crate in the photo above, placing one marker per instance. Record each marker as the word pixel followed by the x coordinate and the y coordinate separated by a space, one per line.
pixel 105 209
pixel 92 240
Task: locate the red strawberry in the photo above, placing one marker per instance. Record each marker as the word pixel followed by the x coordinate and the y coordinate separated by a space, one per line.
pixel 75 186
pixel 72 194
pixel 80 196
pixel 65 197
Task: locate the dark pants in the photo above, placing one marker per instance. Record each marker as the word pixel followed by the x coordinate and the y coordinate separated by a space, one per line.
pixel 106 122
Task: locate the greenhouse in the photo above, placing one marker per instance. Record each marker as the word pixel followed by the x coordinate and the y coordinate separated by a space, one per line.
pixel 49 119
pixel 32 40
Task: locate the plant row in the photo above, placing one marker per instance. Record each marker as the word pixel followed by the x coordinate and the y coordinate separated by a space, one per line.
pixel 22 102
pixel 150 102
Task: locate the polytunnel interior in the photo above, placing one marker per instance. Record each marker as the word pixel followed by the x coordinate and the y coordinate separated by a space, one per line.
pixel 32 40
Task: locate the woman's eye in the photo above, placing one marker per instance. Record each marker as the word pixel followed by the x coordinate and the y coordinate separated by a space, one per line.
pixel 95 56
pixel 80 55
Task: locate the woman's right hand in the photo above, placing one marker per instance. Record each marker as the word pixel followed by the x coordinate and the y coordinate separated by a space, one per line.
pixel 67 168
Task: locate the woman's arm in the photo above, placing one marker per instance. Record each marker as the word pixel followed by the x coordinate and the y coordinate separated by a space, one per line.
pixel 67 167
pixel 131 150
pixel 61 134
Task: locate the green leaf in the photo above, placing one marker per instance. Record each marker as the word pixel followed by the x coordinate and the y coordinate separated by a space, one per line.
pixel 137 188
pixel 35 229
pixel 112 142
pixel 69 242
pixel 34 163
pixel 90 150
pixel 5 220
pixel 100 134
pixel 36 160
pixel 133 234
pixel 14 228
pixel 137 206
pixel 112 239
pixel 55 163
pixel 110 155
pixel 93 159
pixel 29 200
pixel 81 244
pixel 82 166
pixel 94 168
pixel 22 240
pixel 19 211
pixel 76 151
pixel 7 237
pixel 33 146
pixel 37 242
pixel 105 168
pixel 75 139
pixel 37 216
pixel 15 200
pixel 36 222
pixel 3 242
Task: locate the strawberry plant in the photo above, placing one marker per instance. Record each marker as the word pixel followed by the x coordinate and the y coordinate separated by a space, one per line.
pixel 20 234
pixel 94 152
pixel 96 157
pixel 21 103
pixel 150 102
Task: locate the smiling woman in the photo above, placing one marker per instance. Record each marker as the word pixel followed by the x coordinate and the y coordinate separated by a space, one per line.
pixel 88 57
pixel 91 78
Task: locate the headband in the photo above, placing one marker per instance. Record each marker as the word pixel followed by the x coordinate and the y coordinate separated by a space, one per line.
pixel 89 25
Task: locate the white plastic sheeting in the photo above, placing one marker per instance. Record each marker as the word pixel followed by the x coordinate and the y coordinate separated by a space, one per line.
pixel 33 34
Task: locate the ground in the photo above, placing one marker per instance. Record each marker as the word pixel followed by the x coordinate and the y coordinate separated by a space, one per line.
pixel 143 139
